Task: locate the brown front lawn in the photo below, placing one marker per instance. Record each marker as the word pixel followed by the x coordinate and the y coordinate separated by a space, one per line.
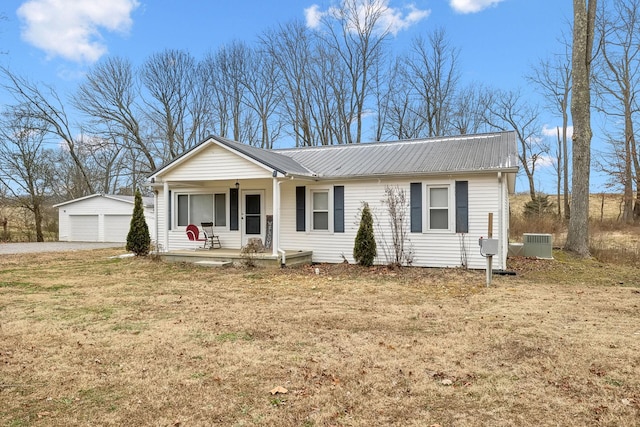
pixel 90 340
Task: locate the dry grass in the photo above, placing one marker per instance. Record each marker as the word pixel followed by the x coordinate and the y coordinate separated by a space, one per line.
pixel 88 340
pixel 602 206
pixel 610 240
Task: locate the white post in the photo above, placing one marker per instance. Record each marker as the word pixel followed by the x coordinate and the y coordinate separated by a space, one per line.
pixel 275 239
pixel 167 217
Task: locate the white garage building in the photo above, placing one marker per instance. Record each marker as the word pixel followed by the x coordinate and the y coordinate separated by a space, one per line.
pixel 100 218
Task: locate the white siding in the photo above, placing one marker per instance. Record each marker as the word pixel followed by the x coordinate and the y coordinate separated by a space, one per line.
pixel 109 216
pixel 177 237
pixel 216 163
pixel 430 249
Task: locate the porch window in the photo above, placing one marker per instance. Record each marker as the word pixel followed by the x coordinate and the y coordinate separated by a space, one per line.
pixel 194 209
pixel 221 210
pixel 320 210
pixel 438 207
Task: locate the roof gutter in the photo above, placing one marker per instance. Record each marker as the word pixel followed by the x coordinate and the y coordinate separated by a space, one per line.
pixel 408 175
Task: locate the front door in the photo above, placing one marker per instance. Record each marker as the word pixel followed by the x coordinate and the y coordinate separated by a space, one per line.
pixel 252 213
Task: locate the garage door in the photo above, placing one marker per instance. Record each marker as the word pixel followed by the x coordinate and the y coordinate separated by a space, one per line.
pixel 83 228
pixel 116 227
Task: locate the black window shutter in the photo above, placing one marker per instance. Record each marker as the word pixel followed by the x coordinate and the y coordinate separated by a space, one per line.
pixel 338 209
pixel 169 215
pixel 233 209
pixel 462 206
pixel 416 207
pixel 300 209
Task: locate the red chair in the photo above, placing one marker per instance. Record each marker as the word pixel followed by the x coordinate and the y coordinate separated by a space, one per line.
pixel 193 233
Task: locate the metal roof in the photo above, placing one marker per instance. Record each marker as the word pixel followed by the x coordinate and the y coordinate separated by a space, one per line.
pixel 273 159
pixel 466 153
pixel 495 151
pixel 146 201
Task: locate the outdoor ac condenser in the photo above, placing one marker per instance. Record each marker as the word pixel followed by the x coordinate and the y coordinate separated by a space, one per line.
pixel 538 245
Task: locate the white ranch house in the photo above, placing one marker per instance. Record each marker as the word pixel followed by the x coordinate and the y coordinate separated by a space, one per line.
pixel 310 199
pixel 100 218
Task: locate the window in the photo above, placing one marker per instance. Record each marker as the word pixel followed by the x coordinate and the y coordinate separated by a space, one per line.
pixel 221 210
pixel 320 209
pixel 194 209
pixel 438 207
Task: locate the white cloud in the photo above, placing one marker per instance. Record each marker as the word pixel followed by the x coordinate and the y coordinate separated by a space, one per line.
pixel 71 29
pixel 544 161
pixel 553 132
pixel 472 6
pixel 391 19
pixel 313 15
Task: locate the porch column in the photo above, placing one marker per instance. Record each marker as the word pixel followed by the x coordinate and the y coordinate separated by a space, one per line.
pixel 276 217
pixel 167 215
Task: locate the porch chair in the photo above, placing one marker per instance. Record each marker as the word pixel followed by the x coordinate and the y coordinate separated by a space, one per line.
pixel 212 239
pixel 193 234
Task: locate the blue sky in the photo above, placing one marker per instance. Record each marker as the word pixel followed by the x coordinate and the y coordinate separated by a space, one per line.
pixel 56 41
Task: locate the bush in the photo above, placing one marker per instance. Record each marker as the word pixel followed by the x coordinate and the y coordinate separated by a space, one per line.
pixel 540 206
pixel 364 249
pixel 138 239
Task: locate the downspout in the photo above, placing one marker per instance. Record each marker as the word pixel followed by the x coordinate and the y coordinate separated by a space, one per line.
pixel 503 258
pixel 155 220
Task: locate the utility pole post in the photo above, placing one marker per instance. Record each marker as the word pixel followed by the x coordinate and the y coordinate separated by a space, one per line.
pixel 490 256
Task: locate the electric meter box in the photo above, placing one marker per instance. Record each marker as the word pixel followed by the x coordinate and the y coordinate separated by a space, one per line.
pixel 488 247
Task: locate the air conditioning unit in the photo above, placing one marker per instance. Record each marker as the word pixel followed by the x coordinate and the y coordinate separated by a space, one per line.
pixel 538 245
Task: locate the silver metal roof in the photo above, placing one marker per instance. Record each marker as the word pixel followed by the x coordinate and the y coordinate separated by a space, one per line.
pixel 495 151
pixel 270 158
pixel 466 153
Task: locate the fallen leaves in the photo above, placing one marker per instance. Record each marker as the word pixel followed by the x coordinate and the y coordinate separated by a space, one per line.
pixel 279 390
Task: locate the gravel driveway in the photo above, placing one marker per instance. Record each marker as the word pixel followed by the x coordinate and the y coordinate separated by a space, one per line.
pixel 33 247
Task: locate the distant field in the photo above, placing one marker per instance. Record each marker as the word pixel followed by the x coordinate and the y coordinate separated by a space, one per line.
pixel 609 205
pixel 21 228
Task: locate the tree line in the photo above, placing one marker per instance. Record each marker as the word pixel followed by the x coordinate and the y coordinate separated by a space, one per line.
pixel 340 83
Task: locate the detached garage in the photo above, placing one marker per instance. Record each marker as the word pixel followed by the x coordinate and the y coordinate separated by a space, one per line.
pixel 100 218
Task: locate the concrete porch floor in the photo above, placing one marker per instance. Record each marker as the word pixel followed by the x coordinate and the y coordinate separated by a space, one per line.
pixel 223 257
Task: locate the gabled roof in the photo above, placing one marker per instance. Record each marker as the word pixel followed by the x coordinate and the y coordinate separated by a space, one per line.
pixel 146 201
pixel 273 159
pixel 495 151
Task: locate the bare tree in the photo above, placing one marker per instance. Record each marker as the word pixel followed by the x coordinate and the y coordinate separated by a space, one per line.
pixel 584 15
pixel 509 110
pixel 175 106
pixel 44 107
pixel 617 80
pixel 291 48
pixel 432 70
pixel 468 109
pixel 24 167
pixel 260 82
pixel 553 79
pixel 108 97
pixel 403 120
pixel 355 31
pixel 226 71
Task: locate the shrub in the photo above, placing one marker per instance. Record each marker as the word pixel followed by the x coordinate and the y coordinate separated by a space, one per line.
pixel 250 251
pixel 138 239
pixel 539 206
pixel 364 249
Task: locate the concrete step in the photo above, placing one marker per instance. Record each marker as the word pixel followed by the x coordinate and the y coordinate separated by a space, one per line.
pixel 213 263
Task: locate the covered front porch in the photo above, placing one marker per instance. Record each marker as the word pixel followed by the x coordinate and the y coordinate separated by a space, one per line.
pixel 235 257
pixel 237 194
